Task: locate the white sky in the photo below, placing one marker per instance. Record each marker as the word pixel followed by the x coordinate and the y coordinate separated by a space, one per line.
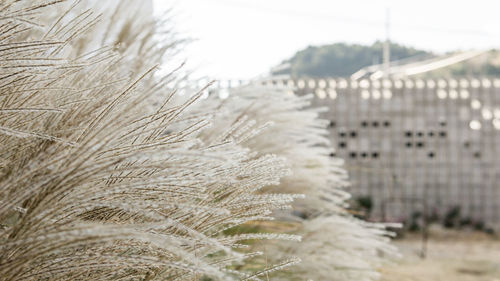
pixel 240 39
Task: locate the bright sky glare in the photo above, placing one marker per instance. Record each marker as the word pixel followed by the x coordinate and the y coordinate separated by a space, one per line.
pixel 241 39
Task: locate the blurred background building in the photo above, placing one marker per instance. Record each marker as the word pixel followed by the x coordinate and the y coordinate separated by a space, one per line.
pixel 418 138
pixel 418 127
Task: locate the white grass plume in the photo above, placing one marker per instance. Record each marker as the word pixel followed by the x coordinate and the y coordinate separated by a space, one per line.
pixel 336 246
pixel 95 183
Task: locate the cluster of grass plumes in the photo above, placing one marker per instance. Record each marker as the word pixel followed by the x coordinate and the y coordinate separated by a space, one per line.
pixel 96 183
pixel 336 245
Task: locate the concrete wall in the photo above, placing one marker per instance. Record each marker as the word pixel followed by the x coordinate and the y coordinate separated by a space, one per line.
pixel 415 145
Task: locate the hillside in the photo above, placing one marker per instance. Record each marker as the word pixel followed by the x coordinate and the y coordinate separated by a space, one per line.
pixel 341 59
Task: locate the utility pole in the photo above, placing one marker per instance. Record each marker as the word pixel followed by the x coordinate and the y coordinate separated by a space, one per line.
pixel 387 46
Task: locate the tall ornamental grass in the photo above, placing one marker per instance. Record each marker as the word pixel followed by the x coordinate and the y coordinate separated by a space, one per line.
pixel 107 174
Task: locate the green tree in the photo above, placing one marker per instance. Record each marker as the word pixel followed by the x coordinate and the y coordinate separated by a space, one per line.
pixel 341 59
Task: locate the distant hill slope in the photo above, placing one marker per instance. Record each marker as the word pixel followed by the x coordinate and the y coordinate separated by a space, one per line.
pixel 342 59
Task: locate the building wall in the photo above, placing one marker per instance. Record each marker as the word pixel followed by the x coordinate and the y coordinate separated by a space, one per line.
pixel 415 145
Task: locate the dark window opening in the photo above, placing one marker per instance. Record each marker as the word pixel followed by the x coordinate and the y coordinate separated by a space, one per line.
pixel 353 154
pixel 375 124
pixel 408 133
pixel 477 155
pixel 353 134
pixel 333 154
pixel 342 144
pixel 420 144
pixel 420 134
pixel 332 124
pixel 442 123
pixel 442 134
pixel 364 155
pixel 342 134
pixel 431 134
pixel 467 144
pixel 431 155
pixel 387 123
pixel 375 155
pixel 364 124
pixel 409 144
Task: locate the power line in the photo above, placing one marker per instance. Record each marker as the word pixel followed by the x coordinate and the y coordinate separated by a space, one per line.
pixel 371 23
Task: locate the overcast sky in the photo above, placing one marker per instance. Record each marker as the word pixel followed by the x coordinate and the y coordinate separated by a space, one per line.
pixel 244 38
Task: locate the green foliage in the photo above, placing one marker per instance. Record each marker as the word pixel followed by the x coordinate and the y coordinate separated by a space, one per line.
pixel 244 228
pixel 452 217
pixel 415 223
pixel 362 207
pixel 341 59
pixel 365 202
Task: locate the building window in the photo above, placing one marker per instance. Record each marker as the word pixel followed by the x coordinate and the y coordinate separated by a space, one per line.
pixel 409 144
pixel 477 154
pixel 420 134
pixel 387 123
pixel 430 154
pixel 420 144
pixel 375 155
pixel 375 124
pixel 408 134
pixel 342 134
pixel 442 134
pixel 354 134
pixel 364 124
pixel 430 134
pixel 364 155
pixel 353 154
pixel 332 124
pixel 343 145
pixel 332 154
